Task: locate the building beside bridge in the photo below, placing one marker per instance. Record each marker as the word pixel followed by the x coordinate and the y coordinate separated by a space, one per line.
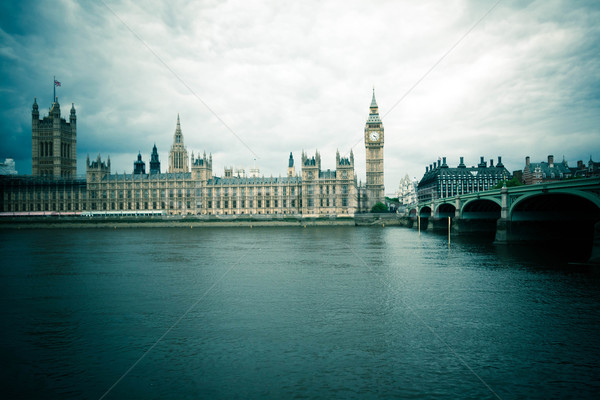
pixel 441 181
pixel 542 172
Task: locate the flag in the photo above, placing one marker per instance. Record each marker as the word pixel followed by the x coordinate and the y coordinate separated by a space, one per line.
pixel 56 83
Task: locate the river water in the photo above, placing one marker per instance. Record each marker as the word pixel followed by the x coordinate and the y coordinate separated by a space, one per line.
pixel 317 312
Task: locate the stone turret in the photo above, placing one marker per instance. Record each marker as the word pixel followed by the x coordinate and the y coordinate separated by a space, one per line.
pixel 311 166
pixel 344 167
pixel 154 162
pixel 291 169
pixel 202 168
pixel 139 166
pixel 97 170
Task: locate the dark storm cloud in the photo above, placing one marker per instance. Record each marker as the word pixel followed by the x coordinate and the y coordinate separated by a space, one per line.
pixel 287 77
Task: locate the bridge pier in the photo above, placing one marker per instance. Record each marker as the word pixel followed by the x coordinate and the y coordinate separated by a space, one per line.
pixel 503 224
pixel 473 226
pixel 502 231
pixel 595 256
pixel 437 224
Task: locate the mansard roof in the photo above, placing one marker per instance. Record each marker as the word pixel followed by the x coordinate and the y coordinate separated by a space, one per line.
pixel 446 172
pixel 155 177
pixel 253 181
pixel 558 169
pixel 26 180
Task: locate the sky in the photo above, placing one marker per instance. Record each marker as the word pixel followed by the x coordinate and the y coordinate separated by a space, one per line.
pixel 253 81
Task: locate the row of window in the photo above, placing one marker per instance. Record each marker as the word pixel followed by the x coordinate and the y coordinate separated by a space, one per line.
pixel 37 195
pixel 171 193
pixel 310 202
pixel 266 190
pixel 218 204
pixel 43 207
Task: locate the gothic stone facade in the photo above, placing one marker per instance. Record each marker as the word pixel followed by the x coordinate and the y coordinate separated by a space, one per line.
pixel 30 194
pixel 53 143
pixel 188 189
pixel 374 156
pixel 200 193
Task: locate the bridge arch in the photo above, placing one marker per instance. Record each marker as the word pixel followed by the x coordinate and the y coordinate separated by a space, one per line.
pixel 568 196
pixel 563 220
pixel 425 212
pixel 556 206
pixel 445 210
pixel 482 208
pixel 412 212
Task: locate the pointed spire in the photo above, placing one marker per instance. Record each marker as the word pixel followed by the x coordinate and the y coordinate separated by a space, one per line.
pixel 373 112
pixel 373 101
pixel 178 127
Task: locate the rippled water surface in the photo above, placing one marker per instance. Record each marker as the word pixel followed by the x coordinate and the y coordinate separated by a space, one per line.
pixel 332 312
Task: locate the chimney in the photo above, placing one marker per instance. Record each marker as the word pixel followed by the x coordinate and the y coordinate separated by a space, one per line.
pixel 580 164
pixel 551 161
pixel 444 162
pixel 499 162
pixel 491 162
pixel 426 169
pixel 527 161
pixel 439 163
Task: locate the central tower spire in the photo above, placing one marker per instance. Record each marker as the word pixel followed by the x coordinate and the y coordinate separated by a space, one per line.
pixel 178 156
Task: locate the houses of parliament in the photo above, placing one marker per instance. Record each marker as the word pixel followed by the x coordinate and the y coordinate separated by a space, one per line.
pixel 189 186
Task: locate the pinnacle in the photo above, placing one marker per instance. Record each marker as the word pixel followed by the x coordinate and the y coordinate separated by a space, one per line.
pixel 373 101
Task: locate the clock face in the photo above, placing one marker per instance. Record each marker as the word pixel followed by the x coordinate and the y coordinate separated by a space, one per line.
pixel 374 136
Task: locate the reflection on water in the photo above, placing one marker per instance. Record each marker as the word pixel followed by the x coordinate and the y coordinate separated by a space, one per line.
pixel 332 312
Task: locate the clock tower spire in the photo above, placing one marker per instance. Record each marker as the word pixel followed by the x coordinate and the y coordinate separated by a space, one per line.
pixel 374 155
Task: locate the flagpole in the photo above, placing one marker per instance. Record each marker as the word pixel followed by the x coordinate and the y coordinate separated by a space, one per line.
pixel 54 86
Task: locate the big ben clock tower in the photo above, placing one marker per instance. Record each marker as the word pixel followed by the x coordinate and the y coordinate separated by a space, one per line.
pixel 374 156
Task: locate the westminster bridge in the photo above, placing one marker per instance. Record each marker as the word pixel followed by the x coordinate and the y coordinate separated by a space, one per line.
pixel 564 213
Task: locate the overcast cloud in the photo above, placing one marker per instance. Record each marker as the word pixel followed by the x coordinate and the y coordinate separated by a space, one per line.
pixel 287 76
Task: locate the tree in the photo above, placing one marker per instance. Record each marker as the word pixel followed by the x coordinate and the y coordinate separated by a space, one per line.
pixel 513 182
pixel 379 208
